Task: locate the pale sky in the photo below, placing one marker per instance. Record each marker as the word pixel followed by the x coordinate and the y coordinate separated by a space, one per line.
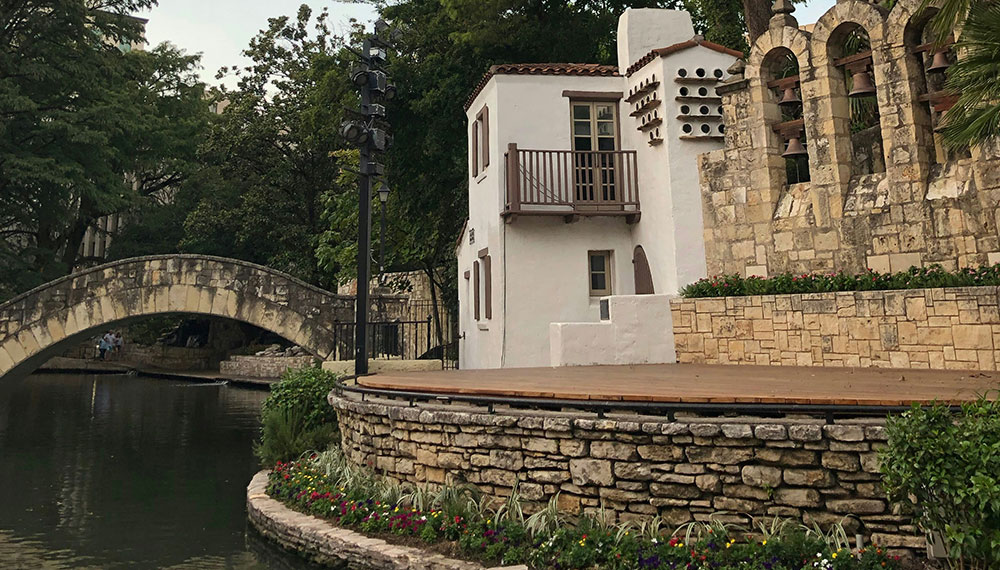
pixel 221 29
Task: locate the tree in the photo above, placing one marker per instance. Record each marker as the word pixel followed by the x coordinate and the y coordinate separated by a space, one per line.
pixel 268 161
pixel 86 126
pixel 975 117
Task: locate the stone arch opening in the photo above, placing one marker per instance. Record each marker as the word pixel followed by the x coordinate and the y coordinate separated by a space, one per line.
pixel 40 323
pixel 780 74
pixel 850 48
pixel 930 59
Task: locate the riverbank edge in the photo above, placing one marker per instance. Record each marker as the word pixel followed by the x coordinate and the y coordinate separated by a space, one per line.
pixel 327 544
pixel 78 366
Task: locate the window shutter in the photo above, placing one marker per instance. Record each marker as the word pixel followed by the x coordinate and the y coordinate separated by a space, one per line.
pixel 475 147
pixel 475 288
pixel 488 288
pixel 486 138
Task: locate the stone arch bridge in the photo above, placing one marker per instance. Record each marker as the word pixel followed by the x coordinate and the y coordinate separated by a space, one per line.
pixel 37 325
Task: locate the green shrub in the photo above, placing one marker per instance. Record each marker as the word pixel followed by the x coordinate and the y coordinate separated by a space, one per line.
pixel 945 468
pixel 296 417
pixel 786 283
pixel 285 436
pixel 305 389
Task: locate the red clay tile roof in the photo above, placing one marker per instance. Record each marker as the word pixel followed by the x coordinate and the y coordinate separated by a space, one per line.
pixel 663 52
pixel 591 69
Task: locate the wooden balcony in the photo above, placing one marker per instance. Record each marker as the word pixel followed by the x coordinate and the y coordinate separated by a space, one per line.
pixel 571 183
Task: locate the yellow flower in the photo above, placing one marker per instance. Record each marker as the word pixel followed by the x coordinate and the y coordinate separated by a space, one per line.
pixel 834 555
pixel 763 543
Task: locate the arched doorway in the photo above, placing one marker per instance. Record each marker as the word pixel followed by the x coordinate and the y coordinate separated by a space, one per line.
pixel 643 278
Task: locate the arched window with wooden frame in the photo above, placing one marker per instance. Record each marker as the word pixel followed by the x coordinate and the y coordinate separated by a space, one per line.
pixel 851 49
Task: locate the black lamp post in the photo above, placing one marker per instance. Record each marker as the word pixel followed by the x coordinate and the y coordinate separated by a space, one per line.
pixel 368 130
pixel 383 197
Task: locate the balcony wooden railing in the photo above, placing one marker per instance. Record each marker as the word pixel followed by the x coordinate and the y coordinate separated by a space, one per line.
pixel 572 183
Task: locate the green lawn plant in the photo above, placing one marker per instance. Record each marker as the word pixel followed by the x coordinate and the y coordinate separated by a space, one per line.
pixel 329 486
pixel 296 417
pixel 944 467
pixel 787 283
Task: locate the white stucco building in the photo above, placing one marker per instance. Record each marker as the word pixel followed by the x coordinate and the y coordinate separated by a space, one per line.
pixel 584 199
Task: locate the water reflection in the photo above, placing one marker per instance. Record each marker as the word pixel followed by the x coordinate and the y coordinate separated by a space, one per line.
pixel 118 471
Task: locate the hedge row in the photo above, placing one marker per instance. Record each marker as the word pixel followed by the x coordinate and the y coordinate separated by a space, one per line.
pixel 786 283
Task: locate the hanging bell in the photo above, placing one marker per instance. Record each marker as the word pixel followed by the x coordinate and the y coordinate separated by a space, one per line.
pixel 789 98
pixel 794 148
pixel 940 62
pixel 862 85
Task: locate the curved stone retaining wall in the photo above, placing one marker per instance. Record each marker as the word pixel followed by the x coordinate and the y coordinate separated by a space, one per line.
pixel 637 466
pixel 329 545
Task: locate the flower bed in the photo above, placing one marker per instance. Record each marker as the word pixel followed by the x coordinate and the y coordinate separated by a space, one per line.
pixel 914 278
pixel 351 498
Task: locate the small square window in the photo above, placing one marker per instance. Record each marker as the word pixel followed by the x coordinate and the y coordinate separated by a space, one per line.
pixel 599 265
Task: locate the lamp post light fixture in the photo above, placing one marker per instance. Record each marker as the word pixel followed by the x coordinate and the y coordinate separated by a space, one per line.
pixel 369 131
pixel 383 197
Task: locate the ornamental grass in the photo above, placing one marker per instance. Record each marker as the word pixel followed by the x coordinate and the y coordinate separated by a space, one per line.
pixel 788 283
pixel 327 486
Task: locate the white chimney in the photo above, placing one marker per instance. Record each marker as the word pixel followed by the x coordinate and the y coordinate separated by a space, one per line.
pixel 641 30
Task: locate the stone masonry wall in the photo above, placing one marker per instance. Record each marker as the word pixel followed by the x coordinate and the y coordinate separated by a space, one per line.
pixel 949 328
pixel 262 366
pixel 925 208
pixel 638 466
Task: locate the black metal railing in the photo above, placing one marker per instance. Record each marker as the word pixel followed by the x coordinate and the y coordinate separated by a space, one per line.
pixel 417 339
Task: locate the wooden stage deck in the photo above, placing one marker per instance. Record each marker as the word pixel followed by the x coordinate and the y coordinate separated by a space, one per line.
pixel 701 383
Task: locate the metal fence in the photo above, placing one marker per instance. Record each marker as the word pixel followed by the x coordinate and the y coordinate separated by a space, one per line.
pixel 417 339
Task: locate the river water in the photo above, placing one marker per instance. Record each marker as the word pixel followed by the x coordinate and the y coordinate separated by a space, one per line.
pixel 109 471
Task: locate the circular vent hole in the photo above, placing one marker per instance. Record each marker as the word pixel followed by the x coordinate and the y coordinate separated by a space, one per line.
pixel 704 109
pixel 718 73
pixel 684 91
pixel 719 110
pixel 722 128
pixel 703 91
pixel 699 72
pixel 682 72
pixel 687 128
pixel 706 129
pixel 685 109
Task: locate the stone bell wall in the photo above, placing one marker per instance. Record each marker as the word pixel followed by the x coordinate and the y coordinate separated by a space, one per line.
pixel 947 328
pixel 924 208
pixel 638 466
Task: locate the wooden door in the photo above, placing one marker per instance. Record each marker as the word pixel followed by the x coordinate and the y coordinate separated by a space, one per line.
pixel 595 129
pixel 643 277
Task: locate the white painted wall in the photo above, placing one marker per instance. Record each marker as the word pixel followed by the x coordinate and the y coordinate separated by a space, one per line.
pixel 641 30
pixel 671 229
pixel 639 331
pixel 548 278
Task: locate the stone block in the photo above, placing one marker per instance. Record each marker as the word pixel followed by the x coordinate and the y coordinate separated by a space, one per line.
pixel 856 506
pixel 591 472
pixel 841 461
pixel 797 497
pixel 771 432
pixel 761 476
pixel 845 432
pixel 808 477
pixel 805 432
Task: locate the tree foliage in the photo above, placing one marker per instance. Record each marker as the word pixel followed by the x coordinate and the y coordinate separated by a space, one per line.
pixel 87 126
pixel 269 158
pixel 975 118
